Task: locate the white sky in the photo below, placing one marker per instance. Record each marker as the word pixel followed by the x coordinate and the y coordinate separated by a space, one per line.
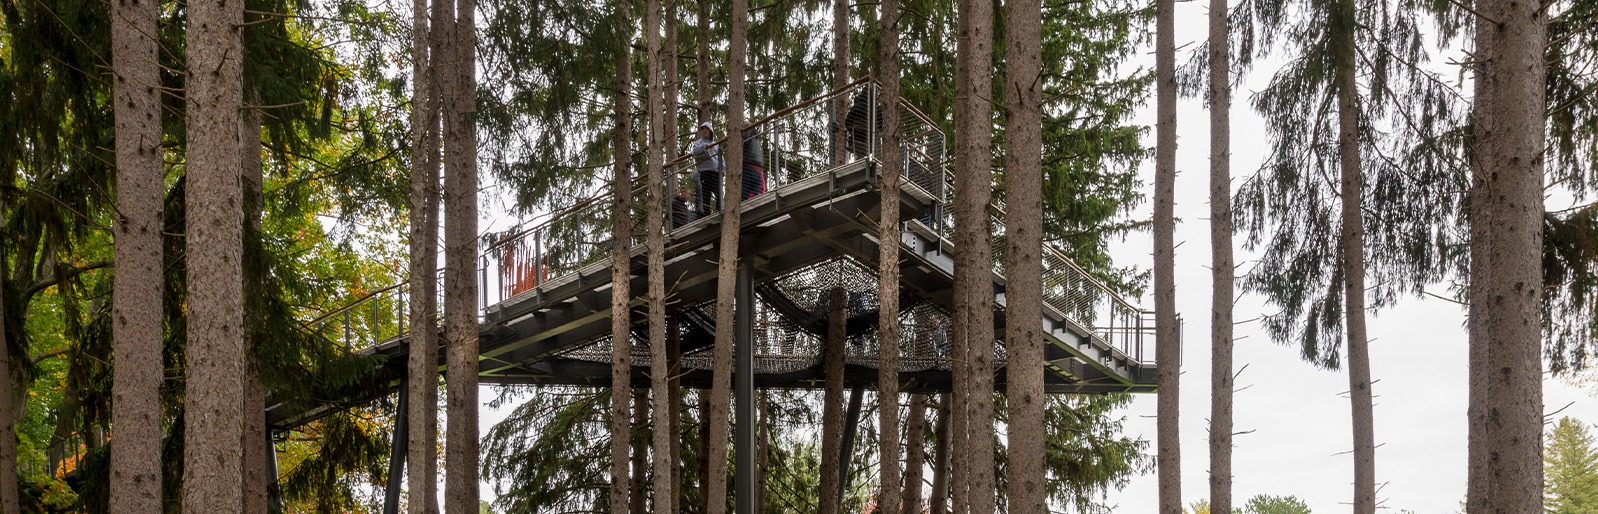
pixel 1298 415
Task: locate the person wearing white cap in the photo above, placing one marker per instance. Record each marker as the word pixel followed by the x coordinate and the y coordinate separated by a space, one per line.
pixel 708 163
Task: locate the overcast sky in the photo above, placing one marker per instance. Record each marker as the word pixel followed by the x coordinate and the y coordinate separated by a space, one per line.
pixel 1298 416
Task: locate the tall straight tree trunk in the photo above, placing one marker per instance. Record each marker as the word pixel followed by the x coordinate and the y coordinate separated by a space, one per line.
pixel 727 266
pixel 1167 349
pixel 252 437
pixel 1506 210
pixel 9 502
pixel 640 458
pixel 1221 265
pixel 460 259
pixel 656 243
pixel 621 294
pixel 915 459
pixel 422 361
pixel 1353 259
pixel 673 346
pixel 890 498
pixel 973 260
pixel 840 78
pixel 939 502
pixel 215 242
pixel 671 81
pixel 137 326
pixel 832 404
pixel 704 94
pixel 1023 228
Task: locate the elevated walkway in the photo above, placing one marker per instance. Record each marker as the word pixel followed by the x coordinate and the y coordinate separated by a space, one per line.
pixel 546 291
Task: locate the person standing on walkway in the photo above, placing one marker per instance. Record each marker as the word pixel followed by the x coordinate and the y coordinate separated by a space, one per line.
pixel 709 166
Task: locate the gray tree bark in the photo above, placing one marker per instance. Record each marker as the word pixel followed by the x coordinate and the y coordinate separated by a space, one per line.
pixel 621 294
pixel 640 457
pixel 1221 264
pixel 137 324
pixel 704 94
pixel 1353 259
pixel 1506 210
pixel 939 502
pixel 840 77
pixel 215 242
pixel 915 458
pixel 727 265
pixel 1023 226
pixel 656 243
pixel 1167 349
pixel 832 404
pixel 460 266
pixel 888 338
pixel 422 362
pixel 973 261
pixel 252 440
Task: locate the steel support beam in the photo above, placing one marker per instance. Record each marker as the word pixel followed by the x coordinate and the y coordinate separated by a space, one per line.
pixel 398 450
pixel 744 376
pixel 851 423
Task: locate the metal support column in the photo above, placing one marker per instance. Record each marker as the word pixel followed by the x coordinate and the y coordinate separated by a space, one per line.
pixel 744 386
pixel 274 490
pixel 398 450
pixel 851 423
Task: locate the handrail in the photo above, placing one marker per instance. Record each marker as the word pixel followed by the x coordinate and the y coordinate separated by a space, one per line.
pixel 352 304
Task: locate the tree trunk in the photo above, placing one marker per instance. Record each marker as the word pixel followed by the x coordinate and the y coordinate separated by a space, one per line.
pixel 1167 349
pixel 422 362
pixel 673 348
pixel 671 84
pixel 704 94
pixel 832 404
pixel 915 458
pixel 1506 211
pixel 1221 266
pixel 939 503
pixel 727 265
pixel 621 294
pixel 1353 260
pixel 888 339
pixel 1023 226
pixel 252 439
pixel 136 303
pixel 640 459
pixel 840 78
pixel 215 242
pixel 460 267
pixel 654 228
pixel 973 288
pixel 10 503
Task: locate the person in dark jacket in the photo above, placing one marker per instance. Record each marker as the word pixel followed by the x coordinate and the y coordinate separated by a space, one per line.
pixel 709 167
pixel 681 212
pixel 754 165
pixel 862 123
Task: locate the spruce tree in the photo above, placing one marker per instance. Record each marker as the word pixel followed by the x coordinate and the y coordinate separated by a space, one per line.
pixel 1570 463
pixel 621 295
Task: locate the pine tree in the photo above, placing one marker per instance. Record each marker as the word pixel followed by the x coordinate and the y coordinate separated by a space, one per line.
pixel 656 248
pixel 973 288
pixel 1167 349
pixel 1023 229
pixel 833 360
pixel 621 295
pixel 1570 463
pixel 214 241
pixel 460 262
pixel 1222 267
pixel 253 436
pixel 422 360
pixel 1506 216
pixel 727 266
pixel 888 338
pixel 915 459
pixel 136 303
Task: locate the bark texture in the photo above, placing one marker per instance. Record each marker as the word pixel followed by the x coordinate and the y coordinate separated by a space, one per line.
pixel 888 262
pixel 215 248
pixel 915 458
pixel 137 323
pixel 1023 227
pixel 422 362
pixel 1167 348
pixel 252 439
pixel 460 267
pixel 704 93
pixel 727 265
pixel 1351 188
pixel 973 260
pixel 1221 265
pixel 1506 210
pixel 840 77
pixel 656 243
pixel 832 404
pixel 640 457
pixel 10 503
pixel 939 502
pixel 621 294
